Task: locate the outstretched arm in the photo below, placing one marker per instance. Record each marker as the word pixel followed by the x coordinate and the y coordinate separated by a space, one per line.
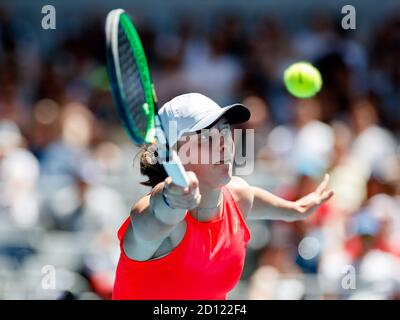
pixel 152 220
pixel 276 208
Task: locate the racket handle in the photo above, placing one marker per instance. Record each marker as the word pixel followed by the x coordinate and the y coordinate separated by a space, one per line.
pixel 176 170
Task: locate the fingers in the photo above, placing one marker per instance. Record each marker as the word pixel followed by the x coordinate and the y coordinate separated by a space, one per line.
pixel 186 198
pixel 308 205
pixel 323 197
pixel 193 181
pixel 326 195
pixel 191 203
pixel 193 184
pixel 321 188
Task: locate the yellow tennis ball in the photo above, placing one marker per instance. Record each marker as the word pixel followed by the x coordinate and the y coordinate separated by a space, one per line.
pixel 302 80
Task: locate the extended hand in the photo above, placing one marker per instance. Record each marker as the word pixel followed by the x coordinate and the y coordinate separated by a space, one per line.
pixel 183 198
pixel 306 205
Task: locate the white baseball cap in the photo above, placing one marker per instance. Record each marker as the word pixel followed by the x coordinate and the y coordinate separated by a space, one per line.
pixel 192 112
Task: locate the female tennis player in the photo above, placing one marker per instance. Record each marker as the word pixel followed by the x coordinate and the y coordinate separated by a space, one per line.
pixel 190 243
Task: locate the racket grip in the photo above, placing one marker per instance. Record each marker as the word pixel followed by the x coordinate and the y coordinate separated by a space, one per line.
pixel 176 170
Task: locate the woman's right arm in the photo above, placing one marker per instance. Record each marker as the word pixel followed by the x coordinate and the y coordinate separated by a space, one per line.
pixel 152 219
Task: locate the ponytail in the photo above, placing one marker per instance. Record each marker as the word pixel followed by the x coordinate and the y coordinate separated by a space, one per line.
pixel 150 167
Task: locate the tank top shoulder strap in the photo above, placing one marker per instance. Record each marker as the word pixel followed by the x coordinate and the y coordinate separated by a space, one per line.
pixel 233 210
pixel 122 229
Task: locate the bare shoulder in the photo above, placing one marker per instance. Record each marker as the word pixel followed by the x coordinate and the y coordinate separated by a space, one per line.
pixel 242 193
pixel 141 205
pixel 144 240
pixel 239 185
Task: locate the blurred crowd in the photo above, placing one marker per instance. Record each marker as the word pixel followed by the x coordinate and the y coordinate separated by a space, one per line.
pixel 69 174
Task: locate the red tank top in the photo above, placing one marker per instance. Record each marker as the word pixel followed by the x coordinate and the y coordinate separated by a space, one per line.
pixel 205 265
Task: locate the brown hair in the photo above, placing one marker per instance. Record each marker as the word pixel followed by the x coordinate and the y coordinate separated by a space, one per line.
pixel 150 167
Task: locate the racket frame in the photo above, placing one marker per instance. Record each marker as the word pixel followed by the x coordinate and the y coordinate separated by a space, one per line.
pixel 169 159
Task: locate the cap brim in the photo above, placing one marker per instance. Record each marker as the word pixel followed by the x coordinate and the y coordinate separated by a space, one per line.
pixel 235 114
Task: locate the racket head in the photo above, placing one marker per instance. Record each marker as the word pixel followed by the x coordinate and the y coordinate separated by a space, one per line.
pixel 133 91
pixel 129 75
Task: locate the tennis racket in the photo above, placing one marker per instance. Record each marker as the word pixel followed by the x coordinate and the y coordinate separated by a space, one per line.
pixel 134 94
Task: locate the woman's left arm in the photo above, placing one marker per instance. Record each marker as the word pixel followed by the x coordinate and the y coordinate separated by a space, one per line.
pixel 275 208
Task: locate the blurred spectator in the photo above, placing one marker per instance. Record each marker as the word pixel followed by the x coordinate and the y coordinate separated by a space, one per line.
pixel 372 143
